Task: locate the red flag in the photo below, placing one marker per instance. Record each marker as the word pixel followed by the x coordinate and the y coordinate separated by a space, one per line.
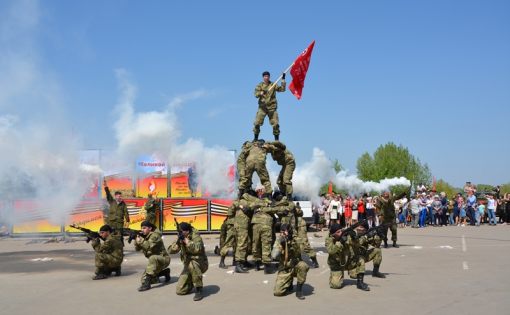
pixel 330 188
pixel 298 71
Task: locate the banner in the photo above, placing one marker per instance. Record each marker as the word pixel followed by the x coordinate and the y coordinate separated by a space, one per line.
pixel 298 71
pixel 193 211
pixel 117 175
pixel 152 177
pixel 32 217
pixel 88 214
pixel 219 208
pixel 184 181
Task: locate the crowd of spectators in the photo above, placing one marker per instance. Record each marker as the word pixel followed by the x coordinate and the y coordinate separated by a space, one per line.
pixel 426 207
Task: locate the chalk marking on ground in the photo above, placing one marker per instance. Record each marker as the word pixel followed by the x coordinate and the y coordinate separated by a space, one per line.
pixel 464 246
pixel 465 265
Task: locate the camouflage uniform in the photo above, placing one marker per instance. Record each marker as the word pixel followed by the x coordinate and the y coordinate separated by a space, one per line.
pixel 154 249
pixel 285 159
pixel 109 254
pixel 341 257
pixel 242 227
pixel 387 207
pixel 255 161
pixel 302 236
pixel 267 106
pixel 290 265
pixel 118 213
pixel 151 208
pixel 195 262
pixel 368 249
pixel 229 240
pixel 241 165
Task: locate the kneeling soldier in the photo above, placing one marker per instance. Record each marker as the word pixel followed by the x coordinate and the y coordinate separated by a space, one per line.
pixel 109 255
pixel 151 243
pixel 287 250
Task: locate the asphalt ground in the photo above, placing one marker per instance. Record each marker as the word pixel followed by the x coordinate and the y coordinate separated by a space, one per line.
pixel 437 270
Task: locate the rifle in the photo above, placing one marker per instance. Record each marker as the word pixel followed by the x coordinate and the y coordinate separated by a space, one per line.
pixel 90 234
pixel 378 230
pixel 132 234
pixel 350 229
pixel 180 237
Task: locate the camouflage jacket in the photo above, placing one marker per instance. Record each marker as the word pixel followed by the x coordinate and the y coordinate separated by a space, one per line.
pixel 288 254
pixel 112 246
pixel 268 99
pixel 387 207
pixel 152 244
pixel 195 249
pixel 118 211
pixel 340 254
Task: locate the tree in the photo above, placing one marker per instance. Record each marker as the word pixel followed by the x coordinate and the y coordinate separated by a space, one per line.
pixel 443 186
pixel 389 161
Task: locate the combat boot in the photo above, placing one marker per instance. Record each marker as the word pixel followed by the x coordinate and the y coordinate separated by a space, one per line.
pixel 165 273
pixel 146 285
pixel 222 263
pixel 360 284
pixel 395 244
pixel 299 291
pixel 257 265
pixel 100 275
pixel 239 268
pixel 376 273
pixel 198 294
pixel 276 137
pixel 268 269
pixel 217 250
pixel 315 263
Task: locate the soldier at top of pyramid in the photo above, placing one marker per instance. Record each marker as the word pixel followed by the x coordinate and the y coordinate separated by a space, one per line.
pixel 267 104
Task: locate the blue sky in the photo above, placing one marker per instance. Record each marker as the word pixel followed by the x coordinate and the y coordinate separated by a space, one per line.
pixel 433 76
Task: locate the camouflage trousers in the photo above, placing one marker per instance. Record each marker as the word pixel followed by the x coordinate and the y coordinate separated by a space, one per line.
pixel 260 168
pixel 261 243
pixel 156 264
pixel 191 276
pixel 272 114
pixel 305 245
pixel 106 261
pixel 336 276
pixel 393 229
pixel 285 277
pixel 373 254
pixel 229 241
pixel 284 180
pixel 242 237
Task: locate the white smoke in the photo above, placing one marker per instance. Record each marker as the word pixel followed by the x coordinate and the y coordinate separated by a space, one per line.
pixel 158 132
pixel 311 176
pixel 39 159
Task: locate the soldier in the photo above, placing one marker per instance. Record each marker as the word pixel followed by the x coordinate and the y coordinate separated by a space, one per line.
pixel 302 237
pixel 109 255
pixel 242 228
pixel 342 256
pixel 229 241
pixel 262 226
pixel 241 167
pixel 285 159
pixel 151 207
pixel 118 215
pixel 255 161
pixel 287 250
pixel 153 248
pixel 267 104
pixel 191 247
pixel 368 249
pixel 386 204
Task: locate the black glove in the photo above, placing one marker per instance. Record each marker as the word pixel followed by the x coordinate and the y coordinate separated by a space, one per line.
pixel 283 240
pixel 343 239
pixel 283 76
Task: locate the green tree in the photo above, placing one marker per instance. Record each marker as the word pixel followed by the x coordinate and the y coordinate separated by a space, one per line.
pixel 389 161
pixel 443 186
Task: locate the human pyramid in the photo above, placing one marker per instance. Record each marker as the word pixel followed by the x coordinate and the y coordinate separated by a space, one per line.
pixel 249 228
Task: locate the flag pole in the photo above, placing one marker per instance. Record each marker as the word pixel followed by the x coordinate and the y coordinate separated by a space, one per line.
pixel 279 78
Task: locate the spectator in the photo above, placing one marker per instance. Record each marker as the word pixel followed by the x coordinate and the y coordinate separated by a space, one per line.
pixel 491 209
pixel 480 211
pixel 348 211
pixel 355 213
pixel 370 212
pixel 457 204
pixel 436 211
pixel 444 209
pixel 462 214
pixel 415 208
pixel 470 207
pixel 333 210
pixel 361 208
pixel 423 212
